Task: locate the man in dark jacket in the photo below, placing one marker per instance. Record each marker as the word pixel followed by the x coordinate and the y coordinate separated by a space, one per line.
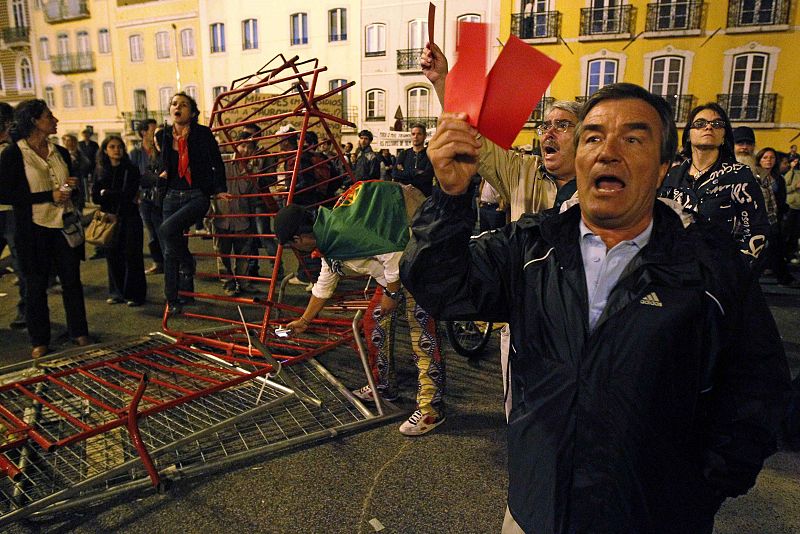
pixel 413 166
pixel 367 165
pixel 648 377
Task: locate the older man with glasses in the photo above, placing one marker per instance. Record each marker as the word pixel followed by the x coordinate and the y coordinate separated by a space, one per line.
pixel 712 183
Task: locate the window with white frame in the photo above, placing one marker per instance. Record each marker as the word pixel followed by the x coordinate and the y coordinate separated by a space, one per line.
pixel 748 84
pixel 18 11
pixel 187 42
pixel 68 93
pixel 44 48
pixel 50 97
pixel 217 37
pixel 375 40
pixel 62 44
pixel 418 102
pixel 164 98
pixel 136 44
pixel 337 24
pixel 249 34
pixel 534 18
pixel 162 45
pixel 191 90
pixel 336 83
pixel 103 41
pixel 757 12
pixel 109 94
pixel 82 39
pixel 24 75
pixel 666 75
pixel 87 94
pixel 417 33
pixel 376 105
pixel 218 90
pixel 600 72
pixel 298 23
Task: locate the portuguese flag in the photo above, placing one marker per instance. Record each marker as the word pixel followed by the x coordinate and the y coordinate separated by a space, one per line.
pixel 368 219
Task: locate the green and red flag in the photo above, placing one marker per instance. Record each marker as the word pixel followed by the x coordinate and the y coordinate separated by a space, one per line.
pixel 368 219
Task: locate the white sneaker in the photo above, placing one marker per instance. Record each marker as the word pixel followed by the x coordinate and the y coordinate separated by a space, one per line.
pixel 419 424
pixel 297 282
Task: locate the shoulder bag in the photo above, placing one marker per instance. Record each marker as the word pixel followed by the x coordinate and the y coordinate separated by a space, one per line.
pixel 103 229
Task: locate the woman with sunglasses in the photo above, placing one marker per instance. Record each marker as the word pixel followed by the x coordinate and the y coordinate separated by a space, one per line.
pixel 710 181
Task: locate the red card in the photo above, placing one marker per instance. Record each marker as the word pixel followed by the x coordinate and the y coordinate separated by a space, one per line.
pixel 515 85
pixel 466 81
pixel 431 20
pixel 499 103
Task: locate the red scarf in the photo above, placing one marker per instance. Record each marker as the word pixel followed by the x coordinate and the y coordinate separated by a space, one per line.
pixel 183 159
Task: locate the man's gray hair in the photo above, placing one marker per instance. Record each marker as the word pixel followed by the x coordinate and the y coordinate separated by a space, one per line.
pixel 570 106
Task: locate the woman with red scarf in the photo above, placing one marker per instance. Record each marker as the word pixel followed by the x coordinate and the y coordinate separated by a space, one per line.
pixel 194 173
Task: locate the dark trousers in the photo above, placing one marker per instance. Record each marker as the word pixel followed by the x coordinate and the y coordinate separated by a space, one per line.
pixel 7 228
pixel 791 232
pixel 125 261
pixel 182 208
pixel 774 252
pixel 50 249
pixel 152 218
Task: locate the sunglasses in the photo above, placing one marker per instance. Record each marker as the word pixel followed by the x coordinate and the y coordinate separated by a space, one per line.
pixel 717 124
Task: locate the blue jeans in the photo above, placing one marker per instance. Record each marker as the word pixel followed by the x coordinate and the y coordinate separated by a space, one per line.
pixel 182 208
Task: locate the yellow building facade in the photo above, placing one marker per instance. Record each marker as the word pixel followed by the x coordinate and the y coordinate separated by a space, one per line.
pixel 158 46
pixel 737 53
pixel 17 79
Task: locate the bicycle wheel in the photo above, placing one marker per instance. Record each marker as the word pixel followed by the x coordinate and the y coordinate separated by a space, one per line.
pixel 468 338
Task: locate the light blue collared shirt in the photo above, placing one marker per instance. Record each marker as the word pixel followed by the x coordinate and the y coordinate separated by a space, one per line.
pixel 603 267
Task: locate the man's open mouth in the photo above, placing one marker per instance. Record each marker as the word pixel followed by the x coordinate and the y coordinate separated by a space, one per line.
pixel 548 149
pixel 609 183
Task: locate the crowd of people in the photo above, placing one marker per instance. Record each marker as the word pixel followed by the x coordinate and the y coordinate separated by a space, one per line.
pixel 645 378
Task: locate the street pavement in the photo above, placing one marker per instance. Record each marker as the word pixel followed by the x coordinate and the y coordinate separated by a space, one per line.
pixel 452 480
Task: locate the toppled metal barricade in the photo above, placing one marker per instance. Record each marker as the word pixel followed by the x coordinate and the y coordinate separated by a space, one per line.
pixel 220 386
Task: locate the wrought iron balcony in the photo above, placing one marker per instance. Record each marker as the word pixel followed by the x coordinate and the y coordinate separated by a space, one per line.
pixel 17 36
pixel 536 25
pixel 537 115
pixel 607 20
pixel 134 118
pixel 681 105
pixel 408 122
pixel 672 16
pixel 749 107
pixel 64 10
pixel 72 63
pixel 408 59
pixel 743 14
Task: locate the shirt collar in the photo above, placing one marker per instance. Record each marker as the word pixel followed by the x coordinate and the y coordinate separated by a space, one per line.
pixel 639 241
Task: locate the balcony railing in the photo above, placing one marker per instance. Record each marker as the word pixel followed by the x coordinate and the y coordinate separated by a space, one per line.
pixel 537 115
pixel 743 14
pixel 681 105
pixel 375 53
pixel 607 20
pixel 749 107
pixel 63 10
pixel 134 118
pixel 429 122
pixel 671 16
pixel 408 59
pixel 72 63
pixel 536 25
pixel 17 36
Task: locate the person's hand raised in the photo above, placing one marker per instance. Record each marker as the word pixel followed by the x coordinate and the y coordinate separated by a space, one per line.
pixel 453 152
pixel 433 63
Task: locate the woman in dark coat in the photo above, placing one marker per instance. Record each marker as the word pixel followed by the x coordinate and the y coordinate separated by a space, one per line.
pixel 194 173
pixel 36 179
pixel 114 190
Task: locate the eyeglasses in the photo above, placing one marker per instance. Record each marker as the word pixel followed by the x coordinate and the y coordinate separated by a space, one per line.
pixel 717 124
pixel 560 125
